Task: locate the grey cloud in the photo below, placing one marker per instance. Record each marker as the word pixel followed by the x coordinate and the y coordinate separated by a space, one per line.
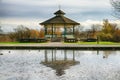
pixel 92 15
pixel 39 11
pixel 13 10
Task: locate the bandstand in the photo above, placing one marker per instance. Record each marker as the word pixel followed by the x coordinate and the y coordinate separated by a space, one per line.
pixel 59 26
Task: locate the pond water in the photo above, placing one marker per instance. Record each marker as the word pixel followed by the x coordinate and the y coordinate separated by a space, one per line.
pixel 59 65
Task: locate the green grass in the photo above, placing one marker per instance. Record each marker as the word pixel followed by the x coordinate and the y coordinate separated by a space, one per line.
pixel 94 43
pixel 9 42
pixel 82 43
pixel 20 43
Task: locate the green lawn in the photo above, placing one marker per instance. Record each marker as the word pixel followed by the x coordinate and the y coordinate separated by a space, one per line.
pixel 93 43
pixel 9 42
pixel 19 43
pixel 82 43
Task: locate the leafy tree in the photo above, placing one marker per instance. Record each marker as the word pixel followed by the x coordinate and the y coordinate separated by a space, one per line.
pixel 34 33
pixel 108 30
pixel 42 34
pixel 116 36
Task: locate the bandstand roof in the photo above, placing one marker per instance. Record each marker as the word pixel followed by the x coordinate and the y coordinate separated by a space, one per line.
pixel 59 19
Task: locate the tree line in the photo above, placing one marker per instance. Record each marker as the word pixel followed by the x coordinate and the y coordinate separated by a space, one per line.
pixel 21 32
pixel 107 32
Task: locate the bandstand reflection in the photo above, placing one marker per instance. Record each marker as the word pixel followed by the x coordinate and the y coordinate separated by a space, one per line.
pixel 59 62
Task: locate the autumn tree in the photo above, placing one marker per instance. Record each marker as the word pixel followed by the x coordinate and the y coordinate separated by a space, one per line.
pixel 42 33
pixel 116 35
pixel 22 32
pixel 49 31
pixel 107 31
pixel 95 28
pixel 58 32
pixel 34 33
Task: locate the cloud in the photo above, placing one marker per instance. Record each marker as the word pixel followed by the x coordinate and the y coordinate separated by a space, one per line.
pixel 73 3
pixel 10 10
pixel 44 8
pixel 9 24
pixel 32 12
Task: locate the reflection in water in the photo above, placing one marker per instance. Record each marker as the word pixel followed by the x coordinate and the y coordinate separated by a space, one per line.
pixel 24 65
pixel 59 64
pixel 106 53
pixel 51 59
pixel 97 52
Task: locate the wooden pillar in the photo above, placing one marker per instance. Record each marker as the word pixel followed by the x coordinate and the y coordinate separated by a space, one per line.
pixel 73 29
pixel 45 30
pixel 55 31
pixel 64 31
pixel 52 30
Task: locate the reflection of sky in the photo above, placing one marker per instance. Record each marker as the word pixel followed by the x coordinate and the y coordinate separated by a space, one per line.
pixel 35 11
pixel 92 65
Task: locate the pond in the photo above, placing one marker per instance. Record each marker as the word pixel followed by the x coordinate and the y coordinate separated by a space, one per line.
pixel 59 65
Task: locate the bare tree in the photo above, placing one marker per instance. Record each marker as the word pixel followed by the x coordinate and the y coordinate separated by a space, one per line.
pixel 78 30
pixel 1 29
pixel 116 7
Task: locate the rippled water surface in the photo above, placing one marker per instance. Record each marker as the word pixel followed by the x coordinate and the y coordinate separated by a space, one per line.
pixel 59 65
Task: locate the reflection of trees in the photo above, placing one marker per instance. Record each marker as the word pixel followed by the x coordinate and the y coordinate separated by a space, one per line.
pixel 1 58
pixel 97 52
pixel 65 56
pixel 1 52
pixel 73 55
pixel 107 53
pixel 59 65
pixel 79 53
pixel 46 57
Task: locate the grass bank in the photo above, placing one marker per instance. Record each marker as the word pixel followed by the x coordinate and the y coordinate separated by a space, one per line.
pixel 94 43
pixel 21 43
pixel 81 43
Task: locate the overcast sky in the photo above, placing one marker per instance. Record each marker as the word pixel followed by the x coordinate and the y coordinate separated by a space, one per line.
pixel 32 12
